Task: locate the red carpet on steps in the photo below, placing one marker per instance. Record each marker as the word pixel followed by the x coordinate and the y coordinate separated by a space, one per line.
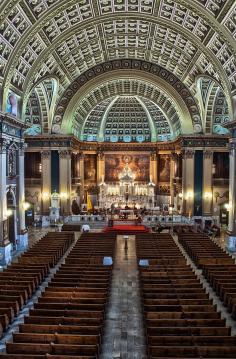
pixel 127 229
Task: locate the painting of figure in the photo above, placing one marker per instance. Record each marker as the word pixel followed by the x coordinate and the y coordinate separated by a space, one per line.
pixel 164 168
pixel 138 164
pixel 12 104
pixel 90 168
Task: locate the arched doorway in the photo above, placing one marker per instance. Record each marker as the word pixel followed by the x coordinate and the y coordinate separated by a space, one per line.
pixel 11 211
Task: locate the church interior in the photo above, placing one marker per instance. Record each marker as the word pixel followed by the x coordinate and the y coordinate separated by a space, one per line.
pixel 117 179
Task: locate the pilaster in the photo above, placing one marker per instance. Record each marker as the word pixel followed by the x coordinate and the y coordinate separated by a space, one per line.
pixel 46 180
pixel 100 167
pixel 153 167
pixel 21 188
pixel 188 182
pixel 81 173
pixel 4 240
pixel 173 159
pixel 232 188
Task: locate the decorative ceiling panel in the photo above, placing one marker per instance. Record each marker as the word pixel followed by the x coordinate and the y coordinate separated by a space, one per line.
pixel 67 38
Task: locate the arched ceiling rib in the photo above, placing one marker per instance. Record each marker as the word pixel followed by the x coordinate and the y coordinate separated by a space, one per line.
pixel 127 118
pixel 66 37
pixel 154 75
pixel 151 96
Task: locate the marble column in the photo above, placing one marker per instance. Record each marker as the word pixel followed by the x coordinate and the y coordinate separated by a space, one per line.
pixel 207 183
pixel 5 246
pixel 22 243
pixel 65 181
pixel 188 182
pixel 46 181
pixel 81 174
pixel 232 189
pixel 153 167
pixel 173 159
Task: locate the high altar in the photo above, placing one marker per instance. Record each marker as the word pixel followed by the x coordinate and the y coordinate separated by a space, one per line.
pixel 127 192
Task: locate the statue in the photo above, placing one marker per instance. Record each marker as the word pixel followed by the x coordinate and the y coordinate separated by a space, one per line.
pixel 55 207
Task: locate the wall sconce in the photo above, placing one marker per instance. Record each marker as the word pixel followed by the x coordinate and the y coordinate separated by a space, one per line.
pixel 63 195
pixel 227 206
pixel 180 195
pixel 189 195
pixel 40 168
pixel 9 212
pixel 26 206
pixel 208 195
pixel 45 196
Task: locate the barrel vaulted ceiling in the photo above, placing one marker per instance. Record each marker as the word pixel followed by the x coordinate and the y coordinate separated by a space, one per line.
pixel 64 38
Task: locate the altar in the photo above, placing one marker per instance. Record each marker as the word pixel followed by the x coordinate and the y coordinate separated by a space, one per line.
pixel 127 193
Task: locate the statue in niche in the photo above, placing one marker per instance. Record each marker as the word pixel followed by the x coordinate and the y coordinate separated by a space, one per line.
pixel 75 207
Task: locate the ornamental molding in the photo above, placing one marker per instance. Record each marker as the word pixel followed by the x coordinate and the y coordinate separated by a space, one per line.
pixel 127 64
pixel 71 143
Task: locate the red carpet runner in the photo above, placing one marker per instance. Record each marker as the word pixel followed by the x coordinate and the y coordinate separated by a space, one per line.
pixel 127 229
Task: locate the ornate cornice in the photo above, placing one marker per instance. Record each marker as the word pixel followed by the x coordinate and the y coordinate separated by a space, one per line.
pixel 73 144
pixel 11 126
pixel 204 141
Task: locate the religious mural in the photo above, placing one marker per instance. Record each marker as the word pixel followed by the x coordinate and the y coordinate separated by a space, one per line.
pixel 164 168
pixel 12 102
pixel 90 168
pixel 138 164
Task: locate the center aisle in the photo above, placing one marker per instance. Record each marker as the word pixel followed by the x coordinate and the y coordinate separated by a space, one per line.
pixel 124 335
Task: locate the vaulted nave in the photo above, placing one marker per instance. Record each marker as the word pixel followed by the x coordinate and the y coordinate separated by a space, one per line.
pixel 117 179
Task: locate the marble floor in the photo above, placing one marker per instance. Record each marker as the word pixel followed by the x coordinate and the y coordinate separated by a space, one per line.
pixel 124 334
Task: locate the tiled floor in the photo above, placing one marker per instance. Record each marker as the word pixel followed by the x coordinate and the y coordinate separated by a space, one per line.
pixel 124 335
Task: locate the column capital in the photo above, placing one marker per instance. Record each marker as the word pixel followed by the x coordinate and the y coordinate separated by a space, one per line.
pixel 207 154
pixel 100 155
pixel 188 154
pixel 64 153
pixel 3 145
pixel 153 156
pixel 22 148
pixel 174 156
pixel 81 155
pixel 45 154
pixel 232 147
